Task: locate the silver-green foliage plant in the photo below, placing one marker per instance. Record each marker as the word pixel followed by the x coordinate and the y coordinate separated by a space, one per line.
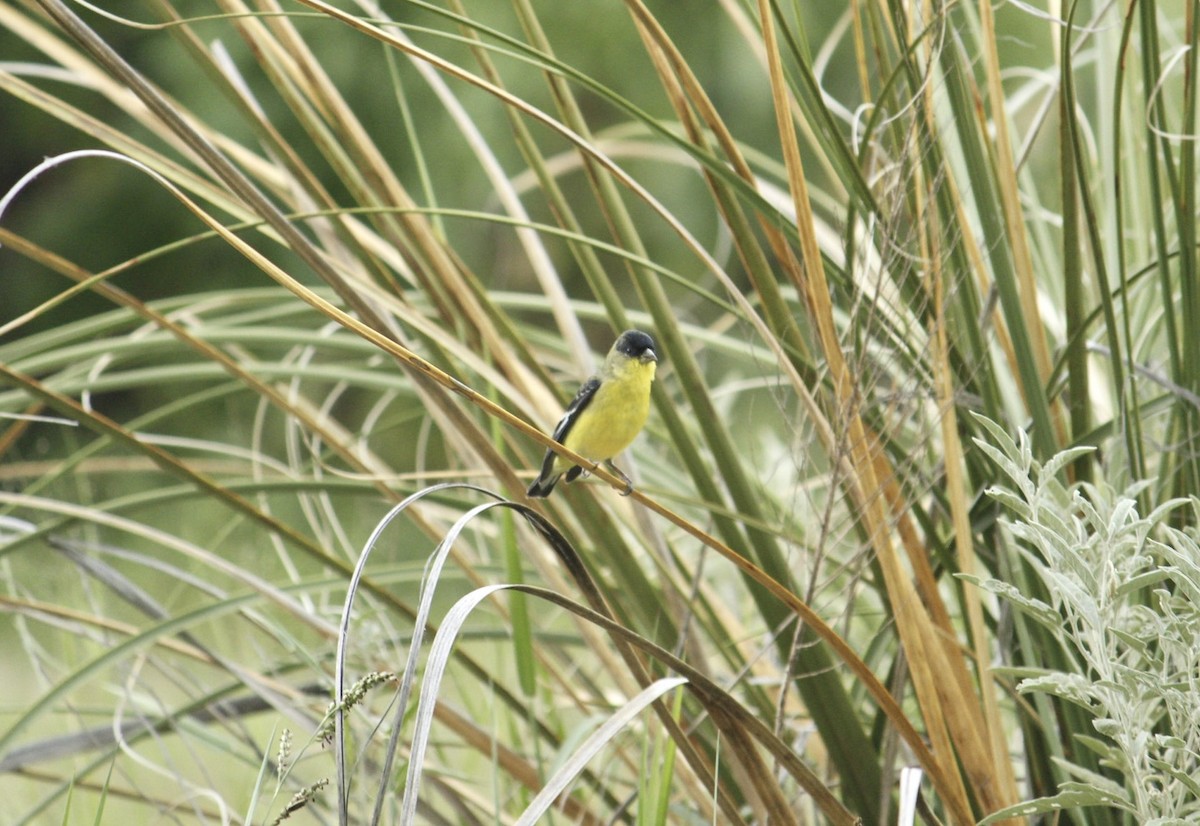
pixel 1121 592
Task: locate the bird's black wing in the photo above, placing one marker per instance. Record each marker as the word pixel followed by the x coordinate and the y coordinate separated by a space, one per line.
pixel 578 404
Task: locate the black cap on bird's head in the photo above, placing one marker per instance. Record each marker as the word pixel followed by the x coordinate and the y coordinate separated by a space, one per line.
pixel 636 345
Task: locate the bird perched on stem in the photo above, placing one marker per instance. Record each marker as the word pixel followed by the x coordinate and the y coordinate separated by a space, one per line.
pixel 607 413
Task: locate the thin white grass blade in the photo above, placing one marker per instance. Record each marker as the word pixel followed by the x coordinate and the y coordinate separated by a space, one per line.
pixel 439 656
pixel 33 417
pixel 910 788
pixel 422 619
pixel 263 767
pixel 428 587
pixel 558 782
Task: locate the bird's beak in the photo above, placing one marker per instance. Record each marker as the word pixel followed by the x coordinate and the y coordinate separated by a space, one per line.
pixel 647 356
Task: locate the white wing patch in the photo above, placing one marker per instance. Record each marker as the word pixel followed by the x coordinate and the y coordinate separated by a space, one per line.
pixel 582 399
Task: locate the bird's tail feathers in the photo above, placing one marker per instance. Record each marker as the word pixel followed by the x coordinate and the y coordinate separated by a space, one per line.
pixel 542 486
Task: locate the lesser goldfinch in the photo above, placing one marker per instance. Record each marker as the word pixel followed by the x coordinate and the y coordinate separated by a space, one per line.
pixel 607 413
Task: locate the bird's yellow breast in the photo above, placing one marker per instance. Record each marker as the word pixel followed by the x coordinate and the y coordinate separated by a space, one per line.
pixel 613 419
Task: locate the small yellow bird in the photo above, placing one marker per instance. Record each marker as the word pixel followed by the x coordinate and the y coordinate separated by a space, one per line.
pixel 607 413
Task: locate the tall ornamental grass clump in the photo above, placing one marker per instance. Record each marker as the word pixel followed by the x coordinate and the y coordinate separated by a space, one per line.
pixel 292 293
